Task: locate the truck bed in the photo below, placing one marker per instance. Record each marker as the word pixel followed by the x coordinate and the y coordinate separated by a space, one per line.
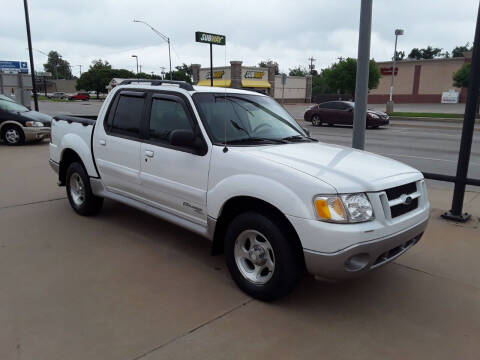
pixel 75 133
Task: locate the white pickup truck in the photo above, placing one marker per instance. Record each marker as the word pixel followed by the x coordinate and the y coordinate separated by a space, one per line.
pixel 235 167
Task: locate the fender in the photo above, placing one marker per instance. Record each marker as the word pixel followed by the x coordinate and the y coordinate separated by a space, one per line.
pixel 266 189
pixel 11 122
pixel 74 142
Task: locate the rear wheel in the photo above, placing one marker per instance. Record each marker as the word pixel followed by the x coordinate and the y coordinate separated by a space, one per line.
pixel 79 193
pixel 316 120
pixel 12 135
pixel 262 259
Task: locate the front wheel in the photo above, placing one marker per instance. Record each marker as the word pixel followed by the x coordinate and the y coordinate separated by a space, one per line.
pixel 261 258
pixel 12 135
pixel 79 193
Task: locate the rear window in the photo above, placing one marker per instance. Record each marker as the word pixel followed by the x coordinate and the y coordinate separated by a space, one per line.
pixel 128 115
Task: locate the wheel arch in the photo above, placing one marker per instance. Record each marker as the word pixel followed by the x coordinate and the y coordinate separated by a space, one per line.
pixel 68 157
pixel 240 204
pixel 10 122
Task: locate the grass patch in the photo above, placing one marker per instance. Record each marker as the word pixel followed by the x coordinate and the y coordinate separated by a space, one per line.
pixel 428 115
pixel 44 98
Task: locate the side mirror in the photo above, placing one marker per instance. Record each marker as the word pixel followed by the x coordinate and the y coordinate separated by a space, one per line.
pixel 306 131
pixel 182 138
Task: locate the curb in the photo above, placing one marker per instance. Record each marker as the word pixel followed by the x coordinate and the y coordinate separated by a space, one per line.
pixel 447 120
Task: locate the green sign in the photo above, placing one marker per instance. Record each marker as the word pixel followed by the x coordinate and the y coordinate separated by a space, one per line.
pixel 209 38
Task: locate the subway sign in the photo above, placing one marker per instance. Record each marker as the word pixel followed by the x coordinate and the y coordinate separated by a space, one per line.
pixel 254 74
pixel 216 74
pixel 209 38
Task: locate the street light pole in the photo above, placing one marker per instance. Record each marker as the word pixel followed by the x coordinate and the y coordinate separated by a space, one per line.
pixel 164 38
pixel 390 102
pixel 136 58
pixel 32 67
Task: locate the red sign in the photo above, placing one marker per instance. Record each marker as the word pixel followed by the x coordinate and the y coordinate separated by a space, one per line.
pixel 388 70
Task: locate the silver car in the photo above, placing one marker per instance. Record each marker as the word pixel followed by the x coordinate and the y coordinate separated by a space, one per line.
pixel 59 95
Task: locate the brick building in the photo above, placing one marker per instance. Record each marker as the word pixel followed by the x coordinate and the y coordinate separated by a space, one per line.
pixel 418 81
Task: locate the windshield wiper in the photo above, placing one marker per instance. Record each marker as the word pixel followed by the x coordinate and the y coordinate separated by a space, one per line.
pixel 257 140
pixel 298 137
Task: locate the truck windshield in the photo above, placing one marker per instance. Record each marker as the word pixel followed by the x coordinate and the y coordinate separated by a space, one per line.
pixel 240 118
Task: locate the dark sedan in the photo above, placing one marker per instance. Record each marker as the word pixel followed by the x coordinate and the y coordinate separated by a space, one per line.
pixel 341 113
pixel 18 124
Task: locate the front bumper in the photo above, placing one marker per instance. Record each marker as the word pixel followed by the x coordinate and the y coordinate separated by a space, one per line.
pixel 360 258
pixel 36 133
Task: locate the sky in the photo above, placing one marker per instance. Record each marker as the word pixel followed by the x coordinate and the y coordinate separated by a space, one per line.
pixel 288 32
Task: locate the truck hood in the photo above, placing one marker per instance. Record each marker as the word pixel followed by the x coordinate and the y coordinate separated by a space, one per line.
pixel 346 169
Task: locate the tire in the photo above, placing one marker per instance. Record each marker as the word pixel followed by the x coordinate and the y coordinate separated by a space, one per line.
pixel 274 269
pixel 316 120
pixel 79 193
pixel 13 135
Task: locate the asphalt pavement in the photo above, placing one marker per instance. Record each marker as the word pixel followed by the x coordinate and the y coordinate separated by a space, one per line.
pixel 126 285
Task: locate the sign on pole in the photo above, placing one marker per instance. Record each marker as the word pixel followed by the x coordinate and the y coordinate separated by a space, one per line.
pixel 14 67
pixel 212 39
pixel 208 38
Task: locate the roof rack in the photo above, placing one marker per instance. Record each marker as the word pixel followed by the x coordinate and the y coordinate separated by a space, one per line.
pixel 182 84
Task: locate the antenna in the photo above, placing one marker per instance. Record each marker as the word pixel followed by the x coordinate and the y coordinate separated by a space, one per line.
pixel 225 148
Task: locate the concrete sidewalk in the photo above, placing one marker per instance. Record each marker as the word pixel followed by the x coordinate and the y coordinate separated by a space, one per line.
pixel 125 285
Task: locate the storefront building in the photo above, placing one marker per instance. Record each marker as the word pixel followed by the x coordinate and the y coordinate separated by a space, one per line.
pixel 419 81
pixel 263 80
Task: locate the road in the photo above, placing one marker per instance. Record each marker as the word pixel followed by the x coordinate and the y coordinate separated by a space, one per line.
pixel 430 146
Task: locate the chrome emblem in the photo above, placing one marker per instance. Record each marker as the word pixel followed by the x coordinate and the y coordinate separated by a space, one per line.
pixel 406 200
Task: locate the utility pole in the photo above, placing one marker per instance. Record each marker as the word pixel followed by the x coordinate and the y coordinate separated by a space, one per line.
pixel 311 66
pixel 32 67
pixel 361 84
pixel 80 66
pixel 140 68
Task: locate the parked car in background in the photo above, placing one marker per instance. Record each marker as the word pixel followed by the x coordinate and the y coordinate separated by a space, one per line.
pixel 18 124
pixel 341 113
pixel 236 168
pixel 80 96
pixel 58 95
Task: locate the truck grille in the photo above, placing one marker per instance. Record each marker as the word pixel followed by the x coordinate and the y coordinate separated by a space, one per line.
pixel 402 199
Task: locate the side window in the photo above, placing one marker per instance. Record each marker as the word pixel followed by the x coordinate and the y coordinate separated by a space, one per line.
pixel 128 116
pixel 166 116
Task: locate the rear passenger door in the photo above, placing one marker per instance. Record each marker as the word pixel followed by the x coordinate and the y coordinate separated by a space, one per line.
pixel 117 144
pixel 174 178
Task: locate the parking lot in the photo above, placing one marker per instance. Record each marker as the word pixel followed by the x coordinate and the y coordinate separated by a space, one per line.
pixel 125 285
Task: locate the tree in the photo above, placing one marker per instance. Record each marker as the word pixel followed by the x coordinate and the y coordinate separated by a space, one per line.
pixel 341 76
pixel 460 77
pixel 298 71
pixel 266 63
pixel 459 50
pixel 319 84
pixel 56 65
pixel 181 73
pixel 98 76
pixel 399 55
pixel 427 53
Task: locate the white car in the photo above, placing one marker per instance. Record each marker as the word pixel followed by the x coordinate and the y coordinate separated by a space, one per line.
pixel 235 167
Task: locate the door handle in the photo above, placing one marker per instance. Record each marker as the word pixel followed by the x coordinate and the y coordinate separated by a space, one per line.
pixel 149 153
pixel 102 142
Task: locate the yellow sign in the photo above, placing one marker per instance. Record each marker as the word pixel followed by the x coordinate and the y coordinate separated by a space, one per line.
pixel 216 74
pixel 254 74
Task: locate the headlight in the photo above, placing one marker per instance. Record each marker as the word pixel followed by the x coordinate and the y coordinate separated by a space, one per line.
pixel 374 116
pixel 348 208
pixel 34 124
